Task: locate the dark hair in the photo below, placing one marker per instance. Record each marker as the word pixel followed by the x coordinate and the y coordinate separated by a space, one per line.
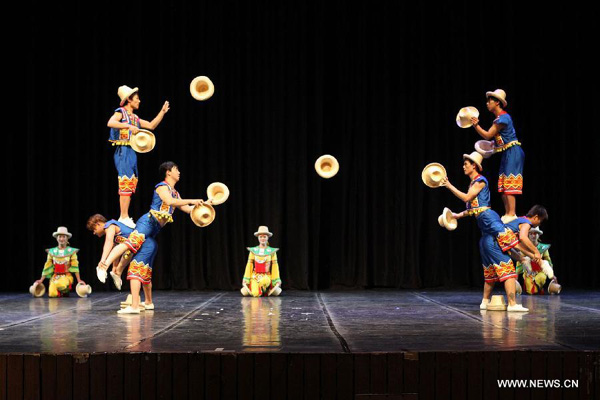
pixel 130 98
pixel 93 220
pixel 538 210
pixel 164 167
pixel 472 162
pixel 500 104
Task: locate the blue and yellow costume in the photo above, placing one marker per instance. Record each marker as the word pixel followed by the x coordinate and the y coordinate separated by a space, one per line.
pixel 488 220
pixel 147 227
pixel 510 178
pixel 124 231
pixel 125 157
pixel 262 270
pixel 497 265
pixel 59 265
pixel 515 224
pixel 140 267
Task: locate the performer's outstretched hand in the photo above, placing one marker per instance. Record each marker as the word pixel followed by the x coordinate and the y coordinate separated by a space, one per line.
pixel 165 107
pixel 475 121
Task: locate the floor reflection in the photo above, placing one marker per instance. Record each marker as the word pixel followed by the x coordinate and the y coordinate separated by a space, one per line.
pixel 261 323
pixel 510 328
pixel 138 327
pixel 60 333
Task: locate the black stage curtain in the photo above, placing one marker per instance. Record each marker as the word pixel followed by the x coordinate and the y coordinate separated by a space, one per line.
pixel 377 84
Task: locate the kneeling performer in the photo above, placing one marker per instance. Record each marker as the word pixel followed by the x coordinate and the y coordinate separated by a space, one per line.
pixel 261 277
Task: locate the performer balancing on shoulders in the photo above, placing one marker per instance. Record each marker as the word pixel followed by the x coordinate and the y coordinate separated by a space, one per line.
pixel 510 178
pixel 123 124
pixel 496 238
pixel 164 201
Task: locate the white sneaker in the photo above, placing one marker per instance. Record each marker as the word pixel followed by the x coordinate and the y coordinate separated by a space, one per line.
pixel 116 280
pixel 141 307
pixel 517 308
pixel 129 310
pixel 101 273
pixel 484 304
pixel 128 222
pixel 149 306
pixel 507 218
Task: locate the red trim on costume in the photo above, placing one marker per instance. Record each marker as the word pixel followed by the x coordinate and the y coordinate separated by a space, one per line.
pixel 140 272
pixel 535 267
pixel 126 194
pixel 61 268
pixel 506 277
pixel 501 190
pixel 137 278
pixel 135 241
pixel 130 246
pixel 260 267
pixel 510 245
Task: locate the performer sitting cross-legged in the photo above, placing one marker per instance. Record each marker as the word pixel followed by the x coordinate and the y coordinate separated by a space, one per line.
pixel 261 277
pixel 164 201
pixel 496 238
pixel 60 264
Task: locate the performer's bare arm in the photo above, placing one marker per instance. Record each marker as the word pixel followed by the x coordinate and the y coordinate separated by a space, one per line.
pixel 79 280
pixel 109 238
pixel 470 195
pixel 524 238
pixel 489 134
pixel 188 209
pixel 166 197
pixel 524 251
pixel 154 123
pixel 115 122
pixel 459 215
